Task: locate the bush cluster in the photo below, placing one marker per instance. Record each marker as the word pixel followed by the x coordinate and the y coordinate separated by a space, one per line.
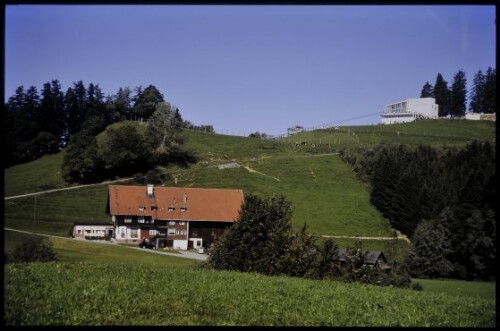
pixel 98 237
pixel 34 249
pixel 263 241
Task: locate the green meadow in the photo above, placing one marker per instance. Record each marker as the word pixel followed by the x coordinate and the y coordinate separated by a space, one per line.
pixel 436 133
pixel 92 293
pixel 305 167
pixel 102 284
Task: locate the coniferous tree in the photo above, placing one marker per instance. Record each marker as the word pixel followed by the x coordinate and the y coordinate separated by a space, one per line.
pixel 75 105
pixel 15 118
pixel 458 95
pixel 476 104
pixel 442 95
pixel 21 126
pixel 427 91
pixel 490 91
pixel 430 250
pixel 51 118
pixel 120 105
pixel 95 113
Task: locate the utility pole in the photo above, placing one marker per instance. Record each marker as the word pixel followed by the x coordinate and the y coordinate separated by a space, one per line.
pixel 34 211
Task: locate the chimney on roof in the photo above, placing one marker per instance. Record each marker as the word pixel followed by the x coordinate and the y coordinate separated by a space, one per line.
pixel 184 198
pixel 150 190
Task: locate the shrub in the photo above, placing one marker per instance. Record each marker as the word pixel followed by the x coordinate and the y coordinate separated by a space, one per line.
pixel 34 250
pixel 417 286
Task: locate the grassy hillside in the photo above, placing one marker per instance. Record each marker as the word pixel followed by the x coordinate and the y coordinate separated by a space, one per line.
pixel 323 191
pixel 460 288
pixel 54 213
pixel 435 133
pixel 72 250
pixel 39 175
pixel 99 294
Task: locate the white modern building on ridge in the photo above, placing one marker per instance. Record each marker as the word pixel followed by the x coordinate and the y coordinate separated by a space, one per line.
pixel 409 110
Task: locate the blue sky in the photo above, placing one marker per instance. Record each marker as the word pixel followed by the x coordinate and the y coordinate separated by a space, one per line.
pixel 252 68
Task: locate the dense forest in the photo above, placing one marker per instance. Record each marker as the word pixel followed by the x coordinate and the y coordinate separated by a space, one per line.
pixel 443 199
pixel 37 124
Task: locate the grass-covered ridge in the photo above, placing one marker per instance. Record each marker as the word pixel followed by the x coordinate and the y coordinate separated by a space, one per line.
pixel 99 294
pixel 323 191
pixel 436 133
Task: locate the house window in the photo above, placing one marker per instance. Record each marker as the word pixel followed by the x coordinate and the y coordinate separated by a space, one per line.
pixel 171 209
pixel 128 219
pixel 180 232
pixel 171 231
pixel 134 233
pixel 171 223
pixel 183 209
pixel 123 233
pixel 152 232
pixel 182 223
pixel 79 231
pixel 141 219
pixel 195 233
pixel 141 208
pixel 214 233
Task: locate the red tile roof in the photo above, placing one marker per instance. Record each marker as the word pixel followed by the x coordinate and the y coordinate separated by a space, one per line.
pixel 193 204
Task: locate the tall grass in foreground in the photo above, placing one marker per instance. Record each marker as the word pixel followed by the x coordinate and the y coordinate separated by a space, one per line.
pixel 125 294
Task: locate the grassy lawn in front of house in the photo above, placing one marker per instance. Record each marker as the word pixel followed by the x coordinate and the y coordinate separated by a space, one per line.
pixel 72 250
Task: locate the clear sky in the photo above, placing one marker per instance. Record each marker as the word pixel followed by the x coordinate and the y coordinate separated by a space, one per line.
pixel 252 68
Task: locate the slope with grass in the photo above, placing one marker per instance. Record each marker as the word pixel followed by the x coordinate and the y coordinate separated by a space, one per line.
pixel 436 133
pixel 323 191
pixel 94 293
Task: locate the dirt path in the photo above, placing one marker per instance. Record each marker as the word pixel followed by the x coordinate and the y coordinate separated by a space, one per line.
pixel 260 173
pixel 66 188
pixel 399 236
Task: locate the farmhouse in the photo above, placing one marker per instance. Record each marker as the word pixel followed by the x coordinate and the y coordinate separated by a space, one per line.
pixel 176 217
pixel 409 110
